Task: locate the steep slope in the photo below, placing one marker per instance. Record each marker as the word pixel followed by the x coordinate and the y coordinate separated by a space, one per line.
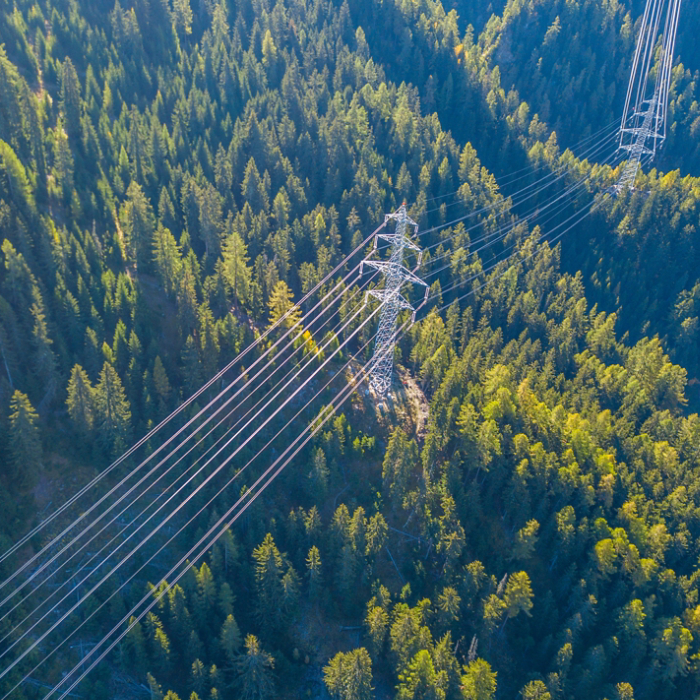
pixel 168 173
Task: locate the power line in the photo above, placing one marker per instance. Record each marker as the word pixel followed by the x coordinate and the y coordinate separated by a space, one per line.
pixel 170 515
pixel 644 117
pixel 338 328
pixel 498 235
pixel 166 585
pixel 73 499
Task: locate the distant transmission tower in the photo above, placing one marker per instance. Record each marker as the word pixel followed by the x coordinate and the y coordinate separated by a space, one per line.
pixel 395 275
pixel 643 128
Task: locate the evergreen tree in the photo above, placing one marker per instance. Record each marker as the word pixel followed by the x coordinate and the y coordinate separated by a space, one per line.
pixel 112 412
pixel 348 676
pixel 230 639
pixel 70 99
pixel 235 255
pixel 45 362
pixel 139 225
pixel 24 441
pixel 161 385
pixel 255 679
pixel 135 646
pixel 268 583
pixel 281 303
pixel 80 401
pixel 167 259
pixel 478 681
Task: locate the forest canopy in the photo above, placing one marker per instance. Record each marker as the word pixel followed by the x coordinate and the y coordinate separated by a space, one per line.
pixel 175 178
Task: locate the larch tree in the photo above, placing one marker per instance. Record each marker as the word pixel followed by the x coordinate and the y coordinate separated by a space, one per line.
pixel 206 597
pixel 377 626
pixel 478 681
pixel 64 165
pixel 535 690
pixel 348 676
pixel 198 678
pixel 449 603
pixel 182 16
pixel 281 303
pixel 518 595
pixel 421 680
pixel 314 572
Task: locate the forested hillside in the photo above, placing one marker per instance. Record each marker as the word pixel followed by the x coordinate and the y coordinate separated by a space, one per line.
pixel 570 63
pixel 176 174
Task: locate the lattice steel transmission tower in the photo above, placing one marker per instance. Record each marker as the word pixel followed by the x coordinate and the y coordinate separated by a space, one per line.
pixel 396 274
pixel 643 127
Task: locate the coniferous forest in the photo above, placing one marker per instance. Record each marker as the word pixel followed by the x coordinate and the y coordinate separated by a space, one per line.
pixel 175 175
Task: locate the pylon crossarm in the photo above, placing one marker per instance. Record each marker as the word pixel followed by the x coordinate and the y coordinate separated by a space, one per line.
pixel 638 151
pixel 410 277
pixel 401 216
pixel 405 240
pixel 400 300
pixel 389 267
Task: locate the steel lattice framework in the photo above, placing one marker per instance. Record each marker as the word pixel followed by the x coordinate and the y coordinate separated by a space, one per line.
pixel 396 274
pixel 643 128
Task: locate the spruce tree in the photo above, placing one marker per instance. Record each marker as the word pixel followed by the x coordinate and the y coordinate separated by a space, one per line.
pixel 230 639
pixel 112 412
pixel 24 440
pixel 81 401
pixel 236 268
pixel 138 224
pixel 268 583
pixel 70 99
pixel 255 680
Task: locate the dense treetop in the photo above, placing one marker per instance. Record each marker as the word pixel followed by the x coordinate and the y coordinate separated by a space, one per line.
pixel 175 175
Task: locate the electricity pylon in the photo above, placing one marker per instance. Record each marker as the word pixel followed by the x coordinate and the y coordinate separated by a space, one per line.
pixel 643 127
pixel 395 275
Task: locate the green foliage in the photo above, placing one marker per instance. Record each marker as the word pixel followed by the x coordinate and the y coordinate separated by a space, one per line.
pixel 281 303
pixel 112 411
pixel 24 442
pixel 174 175
pixel 478 681
pixel 255 681
pixel 81 401
pixel 348 676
